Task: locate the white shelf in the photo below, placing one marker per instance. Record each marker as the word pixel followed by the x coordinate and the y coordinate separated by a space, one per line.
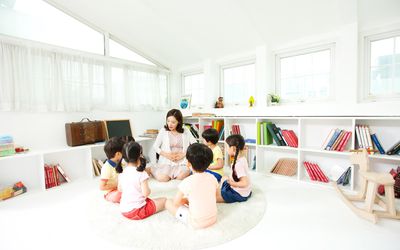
pixel 385 157
pixel 275 147
pixel 321 151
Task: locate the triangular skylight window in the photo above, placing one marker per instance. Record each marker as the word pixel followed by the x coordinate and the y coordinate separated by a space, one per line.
pixel 119 51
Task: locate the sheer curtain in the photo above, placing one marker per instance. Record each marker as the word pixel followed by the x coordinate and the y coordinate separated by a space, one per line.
pixel 34 78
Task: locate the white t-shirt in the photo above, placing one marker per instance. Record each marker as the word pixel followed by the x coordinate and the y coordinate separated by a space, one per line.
pixel 130 183
pixel 242 169
pixel 200 189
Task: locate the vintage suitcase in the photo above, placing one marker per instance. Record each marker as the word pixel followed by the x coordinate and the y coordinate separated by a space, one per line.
pixel 80 133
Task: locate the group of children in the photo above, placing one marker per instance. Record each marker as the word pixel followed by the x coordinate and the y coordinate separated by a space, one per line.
pixel 195 202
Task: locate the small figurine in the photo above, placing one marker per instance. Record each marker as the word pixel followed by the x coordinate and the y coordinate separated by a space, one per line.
pixel 219 103
pixel 251 101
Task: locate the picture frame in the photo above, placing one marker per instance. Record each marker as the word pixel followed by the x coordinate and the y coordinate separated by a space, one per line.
pixel 184 102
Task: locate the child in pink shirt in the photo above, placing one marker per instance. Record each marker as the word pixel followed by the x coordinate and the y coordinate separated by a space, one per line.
pixel 236 187
pixel 133 183
pixel 195 202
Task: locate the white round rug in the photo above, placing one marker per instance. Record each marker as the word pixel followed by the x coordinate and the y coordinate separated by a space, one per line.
pixel 163 231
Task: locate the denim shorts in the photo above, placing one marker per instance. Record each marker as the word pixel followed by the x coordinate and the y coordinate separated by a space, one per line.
pixel 229 195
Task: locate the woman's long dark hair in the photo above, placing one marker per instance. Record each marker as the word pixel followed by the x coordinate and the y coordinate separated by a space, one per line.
pixel 238 142
pixel 131 152
pixel 178 116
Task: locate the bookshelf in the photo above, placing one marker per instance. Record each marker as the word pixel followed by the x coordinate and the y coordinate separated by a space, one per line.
pixel 76 162
pixel 311 133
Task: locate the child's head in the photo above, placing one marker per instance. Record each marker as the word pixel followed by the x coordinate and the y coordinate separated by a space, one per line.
pixel 113 148
pixel 210 135
pixel 236 145
pixel 174 121
pixel 132 153
pixel 199 157
pixel 127 138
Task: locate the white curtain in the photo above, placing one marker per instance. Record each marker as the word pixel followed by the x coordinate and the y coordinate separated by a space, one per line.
pixel 42 79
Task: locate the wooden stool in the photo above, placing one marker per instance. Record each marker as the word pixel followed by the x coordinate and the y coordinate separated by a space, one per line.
pixel 368 191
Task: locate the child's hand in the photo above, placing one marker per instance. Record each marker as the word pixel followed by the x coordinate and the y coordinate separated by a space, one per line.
pixel 231 182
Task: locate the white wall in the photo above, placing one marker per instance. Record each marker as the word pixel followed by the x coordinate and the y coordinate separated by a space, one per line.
pixel 47 130
pixel 348 47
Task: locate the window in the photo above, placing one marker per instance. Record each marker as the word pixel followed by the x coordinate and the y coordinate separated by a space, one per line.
pixel 193 84
pixel 238 82
pixel 382 78
pixel 304 75
pixel 36 20
pixel 119 51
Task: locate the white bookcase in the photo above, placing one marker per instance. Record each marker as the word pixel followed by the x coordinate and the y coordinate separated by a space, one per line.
pixel 76 162
pixel 311 133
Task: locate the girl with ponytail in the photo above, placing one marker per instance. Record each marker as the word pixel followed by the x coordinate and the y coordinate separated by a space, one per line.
pixel 133 183
pixel 236 187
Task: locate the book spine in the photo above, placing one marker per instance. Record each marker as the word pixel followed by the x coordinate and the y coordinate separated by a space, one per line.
pixel 259 133
pixel 394 149
pixel 345 140
pixel 315 172
pixel 309 171
pixel 368 134
pixel 338 140
pixel 294 138
pixel 333 139
pixel 271 131
pixel 377 144
pixel 328 138
pixel 321 174
pixel 358 136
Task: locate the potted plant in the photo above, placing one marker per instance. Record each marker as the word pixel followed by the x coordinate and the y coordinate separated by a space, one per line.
pixel 274 99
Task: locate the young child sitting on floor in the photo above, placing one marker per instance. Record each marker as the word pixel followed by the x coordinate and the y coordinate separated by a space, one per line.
pixel 216 168
pixel 195 202
pixel 236 187
pixel 111 168
pixel 133 183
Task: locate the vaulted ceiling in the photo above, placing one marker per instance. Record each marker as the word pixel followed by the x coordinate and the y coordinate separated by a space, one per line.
pixel 178 33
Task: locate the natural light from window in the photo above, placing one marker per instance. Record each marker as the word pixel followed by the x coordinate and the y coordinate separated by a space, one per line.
pixel 193 84
pixel 239 83
pixel 385 67
pixel 119 51
pixel 305 77
pixel 38 21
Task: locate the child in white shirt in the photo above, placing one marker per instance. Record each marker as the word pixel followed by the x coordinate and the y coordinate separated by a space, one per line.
pixel 133 183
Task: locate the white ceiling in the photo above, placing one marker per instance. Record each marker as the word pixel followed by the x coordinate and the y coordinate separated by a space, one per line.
pixel 178 33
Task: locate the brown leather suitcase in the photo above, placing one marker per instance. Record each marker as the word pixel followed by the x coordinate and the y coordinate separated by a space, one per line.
pixel 81 133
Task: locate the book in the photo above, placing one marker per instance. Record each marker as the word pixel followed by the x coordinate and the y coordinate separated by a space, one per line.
pixel 285 166
pixel 62 172
pixel 328 138
pixel 358 137
pixel 342 146
pixel 333 139
pixel 394 149
pixel 377 144
pixel 338 140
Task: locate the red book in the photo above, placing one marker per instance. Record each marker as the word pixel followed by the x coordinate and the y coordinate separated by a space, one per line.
pixel 314 171
pixel 321 174
pixel 294 138
pixel 311 171
pixel 285 135
pixel 57 181
pixel 46 177
pixel 341 141
pixel 343 146
pixel 308 171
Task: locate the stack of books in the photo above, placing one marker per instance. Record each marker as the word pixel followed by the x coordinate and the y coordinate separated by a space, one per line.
pixel 314 172
pixel 267 132
pixel 285 166
pixel 344 179
pixel 364 139
pixel 6 145
pixel 336 140
pixel 54 175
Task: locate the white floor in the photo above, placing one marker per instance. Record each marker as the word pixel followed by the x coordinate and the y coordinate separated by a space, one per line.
pixel 298 216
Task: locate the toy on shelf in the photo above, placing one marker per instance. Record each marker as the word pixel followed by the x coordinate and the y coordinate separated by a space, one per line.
pixel 8 192
pixel 369 182
pixel 219 103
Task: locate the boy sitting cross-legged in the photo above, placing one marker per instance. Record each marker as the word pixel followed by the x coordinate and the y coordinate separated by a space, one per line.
pixel 195 202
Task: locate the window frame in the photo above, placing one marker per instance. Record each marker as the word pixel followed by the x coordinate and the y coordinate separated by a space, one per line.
pixel 365 83
pixel 237 63
pixel 305 51
pixel 191 73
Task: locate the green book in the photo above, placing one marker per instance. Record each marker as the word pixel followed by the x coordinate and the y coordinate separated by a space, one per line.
pixel 267 134
pixel 259 124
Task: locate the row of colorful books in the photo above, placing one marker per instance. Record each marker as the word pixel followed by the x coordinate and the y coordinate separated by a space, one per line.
pixel 366 139
pixel 193 128
pixel 267 132
pixel 314 172
pixel 336 140
pixel 54 175
pixel 217 125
